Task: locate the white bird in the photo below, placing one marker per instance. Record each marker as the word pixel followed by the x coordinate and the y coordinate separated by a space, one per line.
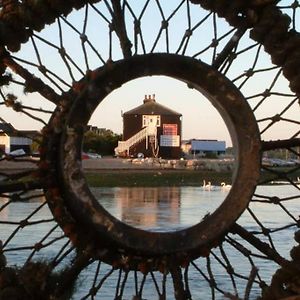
pixel 208 186
pixel 225 187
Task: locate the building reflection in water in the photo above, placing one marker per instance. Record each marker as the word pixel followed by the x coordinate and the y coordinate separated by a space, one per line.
pixel 159 208
pixel 151 208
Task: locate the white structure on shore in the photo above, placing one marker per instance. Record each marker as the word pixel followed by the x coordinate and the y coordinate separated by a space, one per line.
pixel 12 139
pixel 203 147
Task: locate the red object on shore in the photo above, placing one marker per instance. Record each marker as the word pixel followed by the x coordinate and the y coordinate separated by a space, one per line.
pixel 84 156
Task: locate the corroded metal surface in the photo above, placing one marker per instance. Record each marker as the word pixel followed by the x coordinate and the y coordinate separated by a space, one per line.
pixel 232 107
pixel 90 233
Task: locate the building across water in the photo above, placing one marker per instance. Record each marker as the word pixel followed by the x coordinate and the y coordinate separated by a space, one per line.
pixel 12 139
pixel 203 147
pixel 151 129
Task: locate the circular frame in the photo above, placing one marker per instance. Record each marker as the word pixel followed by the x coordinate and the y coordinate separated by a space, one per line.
pixel 268 24
pixel 234 110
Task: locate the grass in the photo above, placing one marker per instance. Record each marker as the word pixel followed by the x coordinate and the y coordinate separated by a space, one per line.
pixel 156 178
pixel 152 178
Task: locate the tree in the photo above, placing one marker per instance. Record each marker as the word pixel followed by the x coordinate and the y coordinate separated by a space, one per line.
pixel 103 142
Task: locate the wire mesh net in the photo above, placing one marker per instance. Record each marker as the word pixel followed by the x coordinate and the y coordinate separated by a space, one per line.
pixel 43 65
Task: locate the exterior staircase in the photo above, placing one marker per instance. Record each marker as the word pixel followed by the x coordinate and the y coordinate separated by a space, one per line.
pixel 135 139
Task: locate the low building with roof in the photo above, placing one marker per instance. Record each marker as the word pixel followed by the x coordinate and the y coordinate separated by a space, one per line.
pixel 12 139
pixel 151 129
pixel 202 147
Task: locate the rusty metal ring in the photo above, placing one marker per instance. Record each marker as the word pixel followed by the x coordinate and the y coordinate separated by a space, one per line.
pixel 241 124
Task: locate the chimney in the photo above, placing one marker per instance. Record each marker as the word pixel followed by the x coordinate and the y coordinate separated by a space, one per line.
pixel 149 99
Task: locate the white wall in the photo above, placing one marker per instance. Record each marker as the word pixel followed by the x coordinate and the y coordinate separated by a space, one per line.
pixel 5 140
pixel 8 141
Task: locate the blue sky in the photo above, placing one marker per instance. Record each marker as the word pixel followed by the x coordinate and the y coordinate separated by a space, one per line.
pixel 200 119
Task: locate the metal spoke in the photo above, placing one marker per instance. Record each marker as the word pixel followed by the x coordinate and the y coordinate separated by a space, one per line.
pixel 59 61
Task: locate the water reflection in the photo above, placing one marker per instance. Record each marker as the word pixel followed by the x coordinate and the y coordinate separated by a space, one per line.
pixel 25 223
pixel 145 206
pixel 159 208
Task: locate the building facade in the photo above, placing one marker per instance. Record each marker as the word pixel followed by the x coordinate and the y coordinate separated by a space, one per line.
pixel 151 129
pixel 12 139
pixel 203 147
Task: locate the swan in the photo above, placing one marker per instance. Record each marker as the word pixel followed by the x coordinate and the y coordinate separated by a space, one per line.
pixel 208 186
pixel 225 186
pixel 205 186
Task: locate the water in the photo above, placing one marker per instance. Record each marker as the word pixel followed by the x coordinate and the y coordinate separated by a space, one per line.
pixel 161 209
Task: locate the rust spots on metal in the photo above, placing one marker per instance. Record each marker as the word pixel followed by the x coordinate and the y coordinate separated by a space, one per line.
pixel 109 233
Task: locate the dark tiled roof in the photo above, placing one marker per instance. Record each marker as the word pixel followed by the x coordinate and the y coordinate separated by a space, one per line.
pixel 7 128
pixel 11 131
pixel 152 108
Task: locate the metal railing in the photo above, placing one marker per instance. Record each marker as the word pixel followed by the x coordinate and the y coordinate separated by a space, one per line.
pixel 135 139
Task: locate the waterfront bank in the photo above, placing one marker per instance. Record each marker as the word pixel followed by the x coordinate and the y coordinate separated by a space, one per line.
pixel 111 172
pixel 147 178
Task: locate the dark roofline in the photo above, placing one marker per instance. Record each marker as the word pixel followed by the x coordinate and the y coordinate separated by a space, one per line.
pixel 152 104
pixel 11 131
pixel 7 128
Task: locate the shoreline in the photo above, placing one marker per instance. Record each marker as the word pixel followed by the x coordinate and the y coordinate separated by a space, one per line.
pixel 113 172
pixel 152 178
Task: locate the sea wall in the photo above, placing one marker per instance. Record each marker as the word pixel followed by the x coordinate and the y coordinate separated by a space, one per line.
pixel 192 164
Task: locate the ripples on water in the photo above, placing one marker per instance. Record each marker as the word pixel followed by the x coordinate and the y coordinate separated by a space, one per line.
pixel 157 209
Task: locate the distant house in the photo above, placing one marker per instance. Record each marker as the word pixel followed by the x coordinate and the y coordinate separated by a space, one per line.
pixel 151 129
pixel 96 129
pixel 203 147
pixel 12 139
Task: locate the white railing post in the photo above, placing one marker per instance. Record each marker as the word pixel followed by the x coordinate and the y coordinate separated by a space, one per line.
pixel 125 145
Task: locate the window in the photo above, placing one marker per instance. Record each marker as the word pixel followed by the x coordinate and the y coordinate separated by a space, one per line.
pixel 152 120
